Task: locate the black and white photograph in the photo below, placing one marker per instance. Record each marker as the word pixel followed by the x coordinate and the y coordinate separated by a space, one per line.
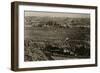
pixel 52 36
pixel 56 36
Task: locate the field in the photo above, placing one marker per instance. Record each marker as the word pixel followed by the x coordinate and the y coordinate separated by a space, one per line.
pixel 50 42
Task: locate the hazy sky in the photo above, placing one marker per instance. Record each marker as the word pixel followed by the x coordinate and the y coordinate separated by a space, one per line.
pixel 55 14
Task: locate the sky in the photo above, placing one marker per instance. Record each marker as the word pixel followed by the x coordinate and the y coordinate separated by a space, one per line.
pixel 56 14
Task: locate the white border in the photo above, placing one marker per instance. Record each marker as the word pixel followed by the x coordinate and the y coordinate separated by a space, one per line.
pixel 23 64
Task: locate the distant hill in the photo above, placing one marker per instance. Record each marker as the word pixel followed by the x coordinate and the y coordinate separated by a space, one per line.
pixel 34 21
